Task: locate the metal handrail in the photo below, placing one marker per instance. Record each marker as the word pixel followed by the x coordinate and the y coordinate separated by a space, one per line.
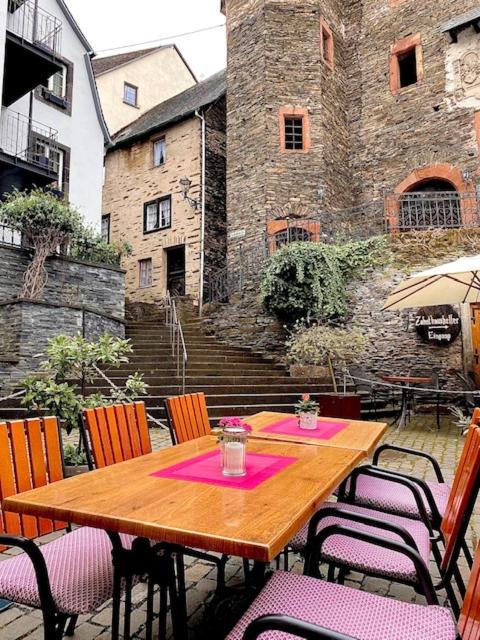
pixel 177 340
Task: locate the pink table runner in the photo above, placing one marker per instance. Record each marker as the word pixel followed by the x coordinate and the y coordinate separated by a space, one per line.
pixel 206 469
pixel 289 427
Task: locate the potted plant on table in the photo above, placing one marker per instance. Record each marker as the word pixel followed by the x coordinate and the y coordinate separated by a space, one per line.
pixel 307 411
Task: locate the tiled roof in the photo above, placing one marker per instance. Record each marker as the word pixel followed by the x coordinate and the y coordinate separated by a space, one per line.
pixel 174 109
pixel 460 21
pixel 102 65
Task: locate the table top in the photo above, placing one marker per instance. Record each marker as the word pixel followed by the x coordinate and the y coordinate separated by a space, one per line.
pixel 407 379
pixel 359 435
pixel 254 524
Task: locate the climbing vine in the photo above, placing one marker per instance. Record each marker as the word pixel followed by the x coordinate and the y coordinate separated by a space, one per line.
pixel 306 279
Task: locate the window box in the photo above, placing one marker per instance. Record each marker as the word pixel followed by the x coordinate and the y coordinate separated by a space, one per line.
pixel 54 99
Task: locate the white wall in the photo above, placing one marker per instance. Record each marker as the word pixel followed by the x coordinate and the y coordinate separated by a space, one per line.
pixel 81 131
pixel 3 22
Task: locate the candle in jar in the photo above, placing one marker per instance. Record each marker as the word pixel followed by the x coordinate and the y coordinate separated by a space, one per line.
pixel 234 458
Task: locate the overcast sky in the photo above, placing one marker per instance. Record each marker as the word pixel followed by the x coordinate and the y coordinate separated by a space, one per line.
pixel 115 23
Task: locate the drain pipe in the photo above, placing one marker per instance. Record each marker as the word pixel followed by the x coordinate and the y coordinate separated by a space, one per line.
pixel 202 215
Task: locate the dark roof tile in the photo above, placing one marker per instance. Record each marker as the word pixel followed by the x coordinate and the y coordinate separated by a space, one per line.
pixel 102 65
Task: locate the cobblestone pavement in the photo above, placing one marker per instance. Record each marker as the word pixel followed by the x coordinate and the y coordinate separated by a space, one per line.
pixel 206 621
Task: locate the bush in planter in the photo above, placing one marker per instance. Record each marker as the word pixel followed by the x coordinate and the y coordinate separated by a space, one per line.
pixel 321 345
pixel 307 279
pixel 71 363
pixel 87 244
pixel 45 222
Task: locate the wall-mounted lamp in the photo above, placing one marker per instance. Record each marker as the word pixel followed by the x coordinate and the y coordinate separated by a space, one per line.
pixel 185 186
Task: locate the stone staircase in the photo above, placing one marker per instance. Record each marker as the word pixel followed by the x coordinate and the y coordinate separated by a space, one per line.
pixel 236 381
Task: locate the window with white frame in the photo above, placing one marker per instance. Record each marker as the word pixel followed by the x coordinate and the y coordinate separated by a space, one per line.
pixel 57 83
pixel 130 94
pixel 157 214
pixel 159 152
pixel 105 231
pixel 145 273
pixel 53 158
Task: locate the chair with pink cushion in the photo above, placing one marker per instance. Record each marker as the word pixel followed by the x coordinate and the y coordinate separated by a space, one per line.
pixel 69 576
pixel 305 607
pixel 386 493
pixel 347 552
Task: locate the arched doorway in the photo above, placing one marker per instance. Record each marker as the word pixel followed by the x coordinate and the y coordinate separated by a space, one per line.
pixel 431 203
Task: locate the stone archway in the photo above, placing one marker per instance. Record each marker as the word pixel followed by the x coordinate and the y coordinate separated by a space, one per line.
pixel 435 196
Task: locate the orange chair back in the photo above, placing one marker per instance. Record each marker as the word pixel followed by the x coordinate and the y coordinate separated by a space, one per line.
pixel 462 495
pixel 31 457
pixel 469 620
pixel 188 417
pixel 117 433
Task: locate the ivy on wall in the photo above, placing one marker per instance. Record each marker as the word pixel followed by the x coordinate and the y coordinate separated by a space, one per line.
pixel 306 279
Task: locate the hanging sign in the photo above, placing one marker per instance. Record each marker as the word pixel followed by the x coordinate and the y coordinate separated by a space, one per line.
pixel 438 325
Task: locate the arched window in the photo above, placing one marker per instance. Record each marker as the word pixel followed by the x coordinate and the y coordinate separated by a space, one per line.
pixel 292 234
pixel 433 203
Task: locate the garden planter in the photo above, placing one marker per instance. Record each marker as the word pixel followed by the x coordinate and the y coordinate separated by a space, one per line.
pixel 311 372
pixel 307 421
pixel 340 405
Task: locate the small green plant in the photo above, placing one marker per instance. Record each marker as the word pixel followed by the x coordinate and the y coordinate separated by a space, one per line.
pixel 307 279
pixel 87 244
pixel 324 345
pixel 71 362
pixel 73 457
pixel 306 405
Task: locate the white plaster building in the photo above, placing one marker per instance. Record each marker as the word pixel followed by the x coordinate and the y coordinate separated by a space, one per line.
pixel 52 131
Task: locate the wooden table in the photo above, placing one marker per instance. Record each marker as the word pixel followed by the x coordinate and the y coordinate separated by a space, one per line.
pixel 405 381
pixel 358 436
pixel 254 524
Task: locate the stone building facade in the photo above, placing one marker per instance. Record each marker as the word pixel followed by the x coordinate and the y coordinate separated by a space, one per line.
pixel 169 225
pixel 384 92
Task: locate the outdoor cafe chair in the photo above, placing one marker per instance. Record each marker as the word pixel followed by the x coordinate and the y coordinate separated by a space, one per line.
pixel 346 552
pixel 187 417
pixel 306 607
pixel 385 494
pixel 120 432
pixel 64 578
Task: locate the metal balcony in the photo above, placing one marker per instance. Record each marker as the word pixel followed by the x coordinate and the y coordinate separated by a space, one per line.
pixel 33 44
pixel 28 152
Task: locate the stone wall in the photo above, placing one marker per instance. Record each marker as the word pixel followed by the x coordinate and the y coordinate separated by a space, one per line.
pixel 72 282
pixel 79 298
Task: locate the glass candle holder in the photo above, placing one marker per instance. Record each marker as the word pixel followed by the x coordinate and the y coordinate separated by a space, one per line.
pixel 234 451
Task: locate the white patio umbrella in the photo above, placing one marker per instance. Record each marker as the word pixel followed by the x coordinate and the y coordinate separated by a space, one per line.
pixel 451 283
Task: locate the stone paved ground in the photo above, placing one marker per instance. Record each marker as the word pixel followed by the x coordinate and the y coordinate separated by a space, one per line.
pixel 205 621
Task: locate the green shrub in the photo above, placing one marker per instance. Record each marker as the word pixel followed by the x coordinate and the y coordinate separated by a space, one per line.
pixel 87 244
pixel 306 279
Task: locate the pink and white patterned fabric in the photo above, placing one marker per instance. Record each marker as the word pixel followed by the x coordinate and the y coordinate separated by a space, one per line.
pixel 365 556
pixel 395 498
pixel 79 567
pixel 361 615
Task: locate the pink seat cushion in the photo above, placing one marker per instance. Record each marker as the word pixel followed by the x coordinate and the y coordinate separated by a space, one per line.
pixel 361 615
pixel 395 498
pixel 79 567
pixel 365 556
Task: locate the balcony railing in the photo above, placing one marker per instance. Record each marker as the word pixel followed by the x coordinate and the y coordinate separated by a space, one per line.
pixel 29 141
pixel 34 25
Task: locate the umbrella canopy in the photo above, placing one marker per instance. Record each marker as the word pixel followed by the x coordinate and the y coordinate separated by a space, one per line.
pixel 451 283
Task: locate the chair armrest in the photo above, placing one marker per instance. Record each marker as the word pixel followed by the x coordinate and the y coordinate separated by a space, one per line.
pixel 41 573
pixel 377 472
pixel 332 512
pixel 293 626
pixel 423 575
pixel 412 452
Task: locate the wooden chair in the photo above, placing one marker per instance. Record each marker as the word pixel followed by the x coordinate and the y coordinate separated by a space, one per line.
pixel 187 417
pixel 69 576
pixel 316 610
pixel 115 433
pixel 120 432
pixel 348 551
